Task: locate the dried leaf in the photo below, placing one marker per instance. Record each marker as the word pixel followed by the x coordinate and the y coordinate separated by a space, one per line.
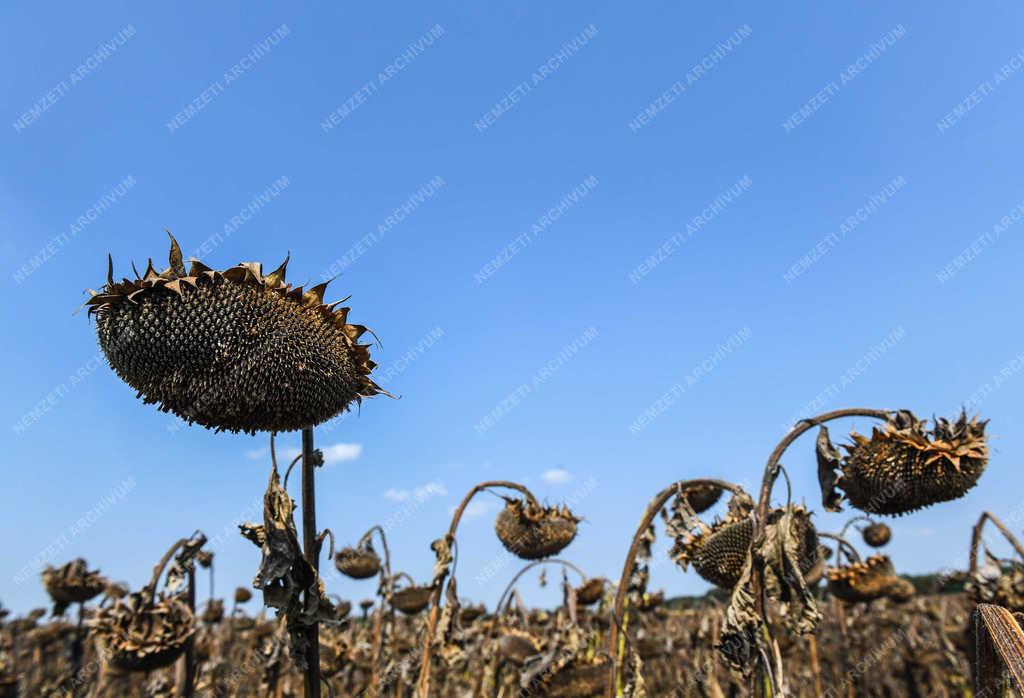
pixel 183 564
pixel 829 464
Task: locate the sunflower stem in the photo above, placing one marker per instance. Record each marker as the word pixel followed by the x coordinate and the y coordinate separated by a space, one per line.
pixel 652 510
pixel 77 649
pixel 771 473
pixel 976 538
pixel 186 685
pixel 427 647
pixel 380 627
pixel 310 548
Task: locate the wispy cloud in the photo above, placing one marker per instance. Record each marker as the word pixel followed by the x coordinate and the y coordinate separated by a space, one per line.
pixel 339 453
pixel 336 453
pixel 556 476
pixel 431 489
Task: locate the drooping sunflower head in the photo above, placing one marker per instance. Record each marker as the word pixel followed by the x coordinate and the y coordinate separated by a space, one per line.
pixel 531 531
pixel 235 350
pixel 583 677
pixel 903 466
pixel 143 633
pixel 703 497
pixel 719 554
pixel 877 534
pixel 72 583
pixel 872 579
pixel 412 599
pixel 214 612
pixel 590 592
pixel 361 562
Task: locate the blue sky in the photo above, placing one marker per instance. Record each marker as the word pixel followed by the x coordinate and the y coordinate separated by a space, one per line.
pixel 604 247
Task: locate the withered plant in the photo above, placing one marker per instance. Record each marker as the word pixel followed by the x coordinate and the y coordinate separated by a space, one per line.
pixel 238 350
pixel 524 526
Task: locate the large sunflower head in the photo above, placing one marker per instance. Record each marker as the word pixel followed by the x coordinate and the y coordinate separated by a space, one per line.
pixel 903 466
pixel 237 349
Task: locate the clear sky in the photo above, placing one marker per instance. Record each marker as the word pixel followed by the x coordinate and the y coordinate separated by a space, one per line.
pixel 604 246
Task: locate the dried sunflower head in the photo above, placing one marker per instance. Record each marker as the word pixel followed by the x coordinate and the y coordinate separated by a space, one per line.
pixel 412 599
pixel 996 582
pixel 142 632
pixel 468 614
pixel 903 466
pixel 877 535
pixel 590 592
pixel 719 553
pixel 516 646
pixel 242 595
pixel 72 583
pixel 582 678
pixel 531 531
pixel 358 563
pixel 341 609
pixel 872 579
pixel 214 612
pixel 233 349
pixel 703 497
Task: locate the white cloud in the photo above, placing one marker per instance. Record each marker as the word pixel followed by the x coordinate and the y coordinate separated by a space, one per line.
pixel 556 476
pixel 339 453
pixel 336 453
pixel 421 493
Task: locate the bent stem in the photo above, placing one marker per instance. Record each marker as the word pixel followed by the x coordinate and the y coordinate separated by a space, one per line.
pixel 851 552
pixel 506 594
pixel 854 520
pixel 387 587
pixel 771 473
pixel 655 506
pixel 976 538
pixel 427 647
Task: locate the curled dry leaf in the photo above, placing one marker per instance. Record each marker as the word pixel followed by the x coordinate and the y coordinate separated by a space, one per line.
pixel 183 563
pixel 830 461
pixel 789 549
pixel 284 573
